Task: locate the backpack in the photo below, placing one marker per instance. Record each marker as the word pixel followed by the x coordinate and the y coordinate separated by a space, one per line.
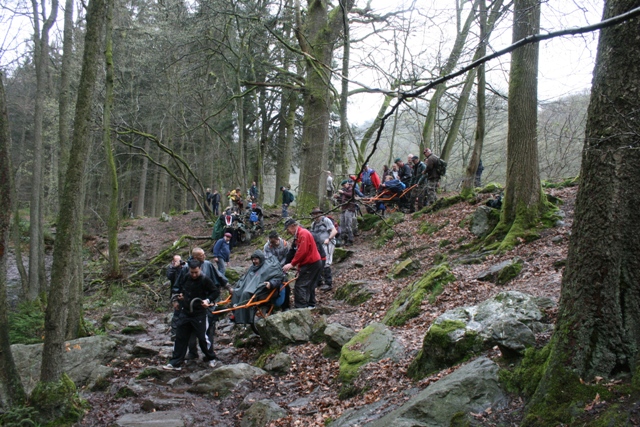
pixel 335 224
pixel 253 217
pixel 441 167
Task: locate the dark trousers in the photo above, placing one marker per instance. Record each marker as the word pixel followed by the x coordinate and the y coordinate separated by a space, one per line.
pixel 326 277
pixel 187 325
pixel 308 278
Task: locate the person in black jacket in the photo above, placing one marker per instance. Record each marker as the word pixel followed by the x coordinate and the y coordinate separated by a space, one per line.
pixel 195 293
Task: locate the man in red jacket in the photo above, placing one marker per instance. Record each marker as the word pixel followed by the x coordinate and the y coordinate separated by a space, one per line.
pixel 307 260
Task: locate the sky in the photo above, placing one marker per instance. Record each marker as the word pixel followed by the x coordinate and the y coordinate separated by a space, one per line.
pixel 565 64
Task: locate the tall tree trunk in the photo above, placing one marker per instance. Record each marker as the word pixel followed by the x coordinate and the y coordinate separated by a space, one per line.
pixel 523 203
pixel 9 377
pixel 16 234
pixel 37 276
pixel 112 221
pixel 344 99
pixel 472 167
pixel 70 217
pixel 142 187
pixel 317 38
pixel 598 328
pixel 64 100
pixel 447 68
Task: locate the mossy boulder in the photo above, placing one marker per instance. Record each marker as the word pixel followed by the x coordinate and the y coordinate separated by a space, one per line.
pixel 223 380
pixel 407 303
pixel 354 293
pixel 368 222
pixel 503 272
pixel 373 343
pixel 404 268
pixel 484 220
pixel 509 320
pixel 341 254
pixel 492 187
pixel 58 402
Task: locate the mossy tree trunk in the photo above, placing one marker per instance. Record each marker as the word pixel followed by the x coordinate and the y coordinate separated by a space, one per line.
pixel 523 203
pixel 70 216
pixel 317 38
pixel 112 221
pixel 9 377
pixel 598 328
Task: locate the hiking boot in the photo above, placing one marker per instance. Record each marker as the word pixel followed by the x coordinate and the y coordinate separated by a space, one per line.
pixel 214 363
pixel 170 367
pixel 325 288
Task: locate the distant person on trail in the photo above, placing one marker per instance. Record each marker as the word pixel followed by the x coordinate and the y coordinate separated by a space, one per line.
pixel 478 178
pixel 404 175
pixel 324 231
pixel 419 180
pixel 330 188
pixel 222 252
pixel 307 260
pixel 253 192
pixel 215 202
pixel 348 215
pixel 433 178
pixel 287 199
pixel 196 293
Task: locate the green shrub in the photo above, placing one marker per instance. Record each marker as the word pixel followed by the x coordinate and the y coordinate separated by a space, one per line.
pixel 26 325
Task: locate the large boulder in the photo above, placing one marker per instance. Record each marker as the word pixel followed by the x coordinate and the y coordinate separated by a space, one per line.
pixel 84 360
pixel 484 220
pixel 472 388
pixel 336 335
pixel 222 380
pixel 408 302
pixel 289 327
pixel 503 272
pixel 341 254
pixel 404 268
pixel 373 343
pixel 152 419
pixel 354 293
pixel 262 413
pixel 509 320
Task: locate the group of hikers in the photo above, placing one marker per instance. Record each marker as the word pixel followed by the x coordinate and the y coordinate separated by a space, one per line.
pixel 196 284
pixel 411 185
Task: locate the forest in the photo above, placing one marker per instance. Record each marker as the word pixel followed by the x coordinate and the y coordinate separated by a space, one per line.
pixel 114 110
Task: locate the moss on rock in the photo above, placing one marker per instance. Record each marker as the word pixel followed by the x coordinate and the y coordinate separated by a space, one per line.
pixel 353 293
pixel 443 347
pixel 368 221
pixel 407 303
pixel 58 403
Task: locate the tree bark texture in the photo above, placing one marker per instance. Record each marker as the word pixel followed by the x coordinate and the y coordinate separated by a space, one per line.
pixel 36 212
pixel 600 306
pixel 598 328
pixel 9 377
pixel 70 217
pixel 112 221
pixel 523 192
pixel 318 37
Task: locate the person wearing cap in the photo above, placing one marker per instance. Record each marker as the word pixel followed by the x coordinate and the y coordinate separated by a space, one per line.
pixel 276 247
pixel 324 231
pixel 222 252
pixel 348 215
pixel 307 260
pixel 433 178
pixel 287 199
